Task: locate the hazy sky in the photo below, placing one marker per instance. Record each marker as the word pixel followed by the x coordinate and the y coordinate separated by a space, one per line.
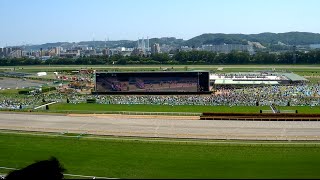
pixel 41 21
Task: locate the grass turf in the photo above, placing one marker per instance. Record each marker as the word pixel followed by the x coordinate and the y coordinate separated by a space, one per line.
pixel 226 68
pixel 153 108
pixel 137 159
pixel 100 108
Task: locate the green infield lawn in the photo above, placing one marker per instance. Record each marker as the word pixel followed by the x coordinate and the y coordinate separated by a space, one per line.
pixel 138 159
pixel 101 108
pixel 84 107
pixel 226 68
pixel 9 91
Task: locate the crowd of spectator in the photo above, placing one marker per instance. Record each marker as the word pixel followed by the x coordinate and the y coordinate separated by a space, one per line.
pixel 293 95
pixel 297 95
pixel 18 102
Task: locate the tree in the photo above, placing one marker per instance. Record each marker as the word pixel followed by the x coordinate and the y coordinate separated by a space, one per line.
pixel 179 57
pixel 47 169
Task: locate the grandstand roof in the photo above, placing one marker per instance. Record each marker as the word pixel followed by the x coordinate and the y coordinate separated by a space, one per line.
pixel 229 81
pixel 294 77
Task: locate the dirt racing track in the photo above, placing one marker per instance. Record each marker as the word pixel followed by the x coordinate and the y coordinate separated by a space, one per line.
pixel 162 126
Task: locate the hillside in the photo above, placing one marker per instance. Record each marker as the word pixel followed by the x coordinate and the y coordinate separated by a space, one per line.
pixel 289 38
pixel 266 39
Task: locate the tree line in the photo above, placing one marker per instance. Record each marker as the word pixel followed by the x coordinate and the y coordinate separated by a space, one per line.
pixel 191 57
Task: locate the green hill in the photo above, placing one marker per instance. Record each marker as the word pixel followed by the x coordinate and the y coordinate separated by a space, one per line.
pixel 267 39
pixel 289 38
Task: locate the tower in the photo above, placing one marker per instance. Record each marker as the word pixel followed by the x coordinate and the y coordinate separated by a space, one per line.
pixel 138 43
pixel 93 42
pixel 148 45
pixel 294 59
pixel 143 45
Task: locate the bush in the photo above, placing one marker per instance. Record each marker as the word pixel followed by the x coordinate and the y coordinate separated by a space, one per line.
pixel 24 91
pixel 91 100
pixel 47 89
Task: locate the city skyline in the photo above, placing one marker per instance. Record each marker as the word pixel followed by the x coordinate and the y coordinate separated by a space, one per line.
pixel 38 22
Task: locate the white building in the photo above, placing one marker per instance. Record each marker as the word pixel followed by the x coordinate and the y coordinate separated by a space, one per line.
pixel 227 48
pixel 155 48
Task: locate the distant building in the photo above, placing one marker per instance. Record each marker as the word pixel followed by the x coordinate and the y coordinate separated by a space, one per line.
pixel 126 52
pixel 114 52
pixel 155 48
pixel 5 52
pixel 227 48
pixel 35 54
pixel 1 52
pixel 91 52
pixel 166 48
pixel 24 53
pixel 106 52
pixel 314 46
pixel 53 51
pixel 137 52
pixel 143 45
pixel 70 53
pixel 84 47
pixel 15 54
pixel 124 49
pixel 185 48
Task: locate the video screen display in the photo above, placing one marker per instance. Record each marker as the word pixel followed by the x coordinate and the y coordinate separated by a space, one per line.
pixel 153 82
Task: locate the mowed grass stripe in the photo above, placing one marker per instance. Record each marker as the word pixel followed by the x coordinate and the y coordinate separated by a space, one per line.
pixel 84 107
pixel 153 108
pixel 135 159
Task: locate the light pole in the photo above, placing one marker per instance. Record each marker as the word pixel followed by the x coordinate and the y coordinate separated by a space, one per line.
pixel 198 85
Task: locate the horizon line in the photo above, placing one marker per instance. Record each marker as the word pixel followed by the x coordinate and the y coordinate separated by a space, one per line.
pixel 34 44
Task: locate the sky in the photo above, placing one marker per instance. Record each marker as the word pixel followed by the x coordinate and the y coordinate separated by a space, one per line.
pixel 43 21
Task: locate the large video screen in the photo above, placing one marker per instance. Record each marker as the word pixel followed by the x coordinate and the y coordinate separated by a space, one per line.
pixel 152 82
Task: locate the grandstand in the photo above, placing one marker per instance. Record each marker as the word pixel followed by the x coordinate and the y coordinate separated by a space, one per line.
pixel 255 78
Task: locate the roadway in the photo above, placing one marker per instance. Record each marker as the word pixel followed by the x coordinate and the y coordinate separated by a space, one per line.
pixel 161 126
